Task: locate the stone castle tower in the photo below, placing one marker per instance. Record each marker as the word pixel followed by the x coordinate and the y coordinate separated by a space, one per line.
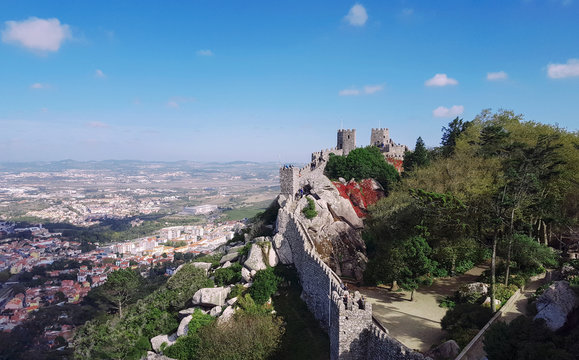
pixel 379 137
pixel 346 140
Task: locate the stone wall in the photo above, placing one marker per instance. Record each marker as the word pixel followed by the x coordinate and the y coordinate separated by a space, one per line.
pixel 346 318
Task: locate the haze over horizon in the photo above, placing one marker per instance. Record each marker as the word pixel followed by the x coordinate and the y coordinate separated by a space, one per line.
pixel 264 81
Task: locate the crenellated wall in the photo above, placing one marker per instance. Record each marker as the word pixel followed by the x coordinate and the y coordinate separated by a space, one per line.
pixel 346 317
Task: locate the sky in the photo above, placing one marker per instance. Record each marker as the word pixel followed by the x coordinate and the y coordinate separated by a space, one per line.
pixel 271 80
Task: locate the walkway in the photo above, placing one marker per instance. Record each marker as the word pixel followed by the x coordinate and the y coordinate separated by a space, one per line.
pixel 510 312
pixel 416 323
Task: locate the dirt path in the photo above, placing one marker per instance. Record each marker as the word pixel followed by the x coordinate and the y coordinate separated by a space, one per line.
pixel 416 323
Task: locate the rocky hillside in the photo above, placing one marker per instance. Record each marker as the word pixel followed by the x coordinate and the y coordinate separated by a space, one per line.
pixel 336 229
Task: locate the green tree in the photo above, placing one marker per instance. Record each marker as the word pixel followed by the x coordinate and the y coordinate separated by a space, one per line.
pixel 121 287
pixel 418 158
pixel 451 134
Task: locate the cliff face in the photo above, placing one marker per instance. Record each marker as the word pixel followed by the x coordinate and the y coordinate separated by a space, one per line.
pixel 336 230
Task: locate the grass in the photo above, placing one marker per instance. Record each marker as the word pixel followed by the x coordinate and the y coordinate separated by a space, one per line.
pixel 242 213
pixel 303 337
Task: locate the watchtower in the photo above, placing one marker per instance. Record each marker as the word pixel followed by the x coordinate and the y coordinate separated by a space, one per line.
pixel 380 137
pixel 346 140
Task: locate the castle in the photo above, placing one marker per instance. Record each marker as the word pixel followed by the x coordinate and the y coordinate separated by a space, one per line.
pixel 292 179
pixel 354 333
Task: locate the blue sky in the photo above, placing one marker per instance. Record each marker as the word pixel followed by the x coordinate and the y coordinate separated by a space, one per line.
pixel 270 80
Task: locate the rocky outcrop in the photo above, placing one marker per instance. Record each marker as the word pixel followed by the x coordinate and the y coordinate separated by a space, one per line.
pixel 215 311
pixel 203 265
pixel 555 304
pixel 158 340
pixel 255 259
pixel 232 256
pixel 184 325
pixel 211 296
pixel 226 315
pixel 447 350
pixel 245 274
pixel 335 231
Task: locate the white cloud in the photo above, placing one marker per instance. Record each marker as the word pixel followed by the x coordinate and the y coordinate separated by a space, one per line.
pixel 349 92
pixel 559 71
pixel 97 125
pixel 495 76
pixel 440 80
pixel 99 73
pixel 37 34
pixel 177 101
pixel 205 52
pixel 442 112
pixel 357 15
pixel 371 89
pixel 38 86
pixel 366 90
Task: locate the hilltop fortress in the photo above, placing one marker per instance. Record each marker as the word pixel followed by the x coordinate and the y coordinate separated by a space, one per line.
pixel 354 333
pixel 291 178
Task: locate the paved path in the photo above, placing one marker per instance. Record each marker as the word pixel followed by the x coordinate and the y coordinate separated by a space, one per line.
pixel 416 323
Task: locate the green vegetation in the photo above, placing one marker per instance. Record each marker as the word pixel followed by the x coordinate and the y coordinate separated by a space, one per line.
pixel 121 286
pixel 128 337
pixel 362 163
pixel 246 212
pixel 230 275
pixel 417 158
pixel 265 283
pixel 464 321
pixel 246 336
pixel 497 187
pixel 187 347
pixel 526 339
pixel 310 209
pixel 175 244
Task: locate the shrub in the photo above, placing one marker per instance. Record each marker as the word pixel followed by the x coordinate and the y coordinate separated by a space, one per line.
pixel 465 320
pixel 439 272
pixel 187 346
pixel 448 302
pixel 251 337
pixel 228 275
pixel 236 291
pixel 464 266
pixel 504 293
pixel 310 210
pixel 265 284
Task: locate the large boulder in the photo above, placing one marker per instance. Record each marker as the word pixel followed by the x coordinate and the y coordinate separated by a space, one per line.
pixel 226 315
pixel 158 340
pixel 555 304
pixel 211 296
pixel 255 259
pixel 232 256
pixel 203 265
pixel 184 326
pixel 215 311
pixel 245 274
pixel 282 249
pixel 473 290
pixel 447 350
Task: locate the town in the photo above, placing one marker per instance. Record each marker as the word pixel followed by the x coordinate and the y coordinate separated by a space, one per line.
pixel 56 270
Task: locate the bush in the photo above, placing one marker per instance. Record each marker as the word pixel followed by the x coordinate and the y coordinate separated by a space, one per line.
pixel 526 339
pixel 236 291
pixel 439 272
pixel 465 320
pixel 464 266
pixel 187 346
pixel 265 284
pixel 310 210
pixel 504 293
pixel 226 276
pixel 244 251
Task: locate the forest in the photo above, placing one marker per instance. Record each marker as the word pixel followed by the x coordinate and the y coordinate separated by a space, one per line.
pixel 499 187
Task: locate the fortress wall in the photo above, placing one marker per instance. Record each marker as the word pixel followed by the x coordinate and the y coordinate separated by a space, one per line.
pixel 348 323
